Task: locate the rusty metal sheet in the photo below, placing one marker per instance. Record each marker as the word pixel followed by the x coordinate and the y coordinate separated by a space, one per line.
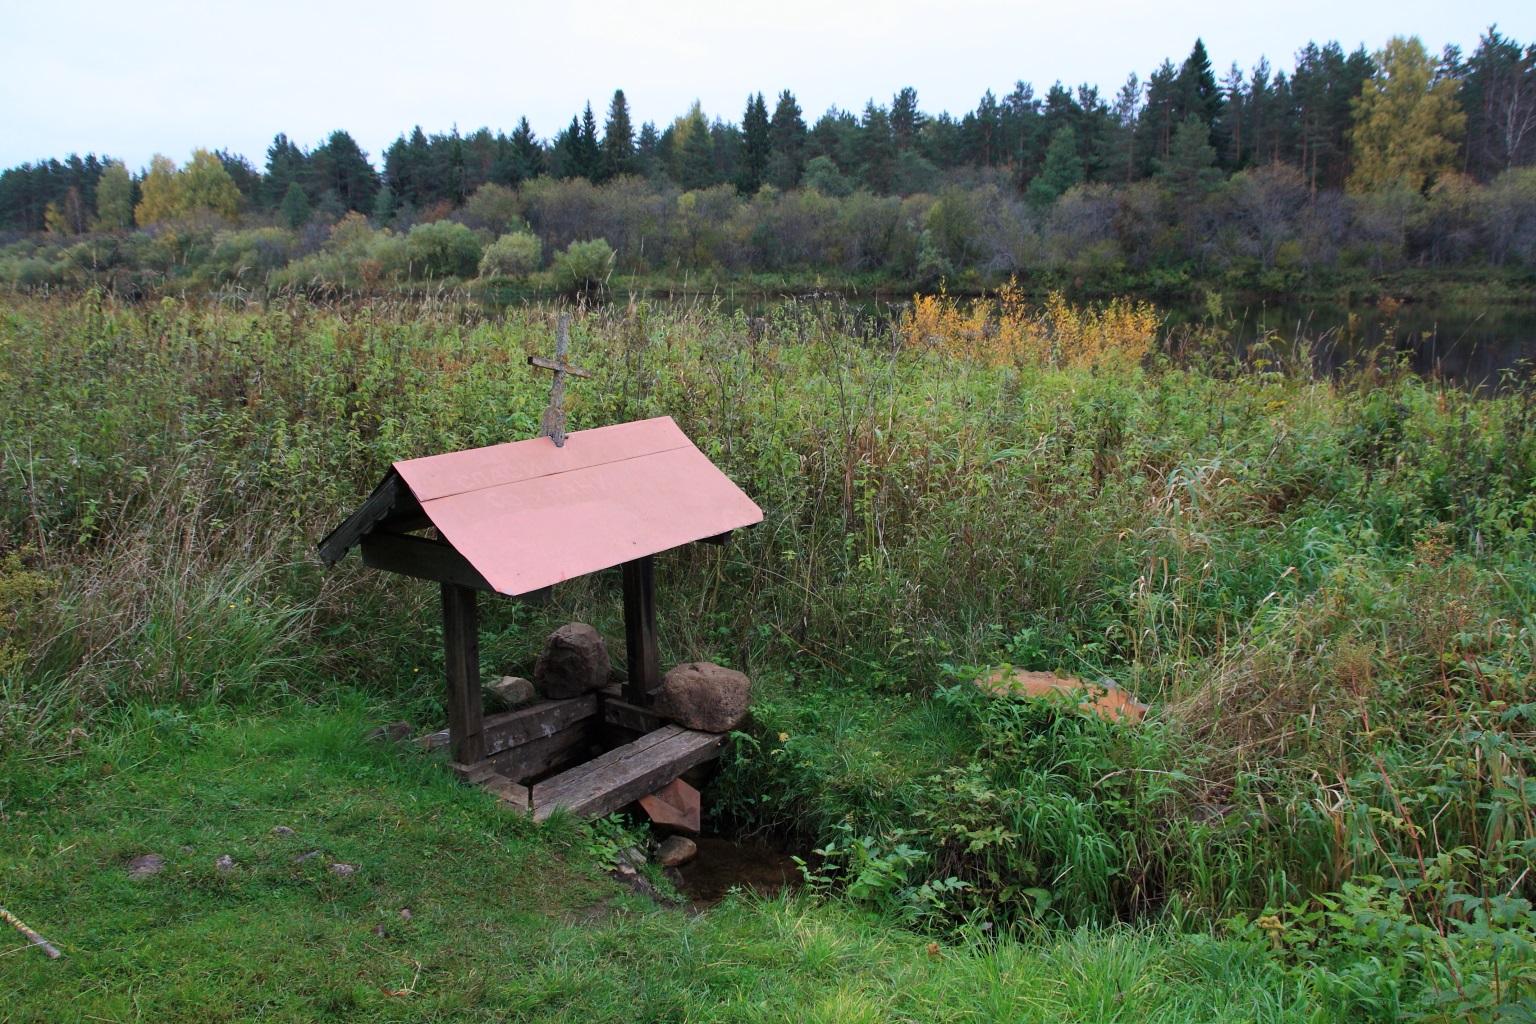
pixel 528 514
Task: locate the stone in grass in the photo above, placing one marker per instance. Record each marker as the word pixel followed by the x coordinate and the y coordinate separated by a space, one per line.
pixel 144 865
pixel 574 662
pixel 282 830
pixel 394 732
pixel 510 691
pixel 343 869
pixel 225 863
pixel 704 696
pixel 675 850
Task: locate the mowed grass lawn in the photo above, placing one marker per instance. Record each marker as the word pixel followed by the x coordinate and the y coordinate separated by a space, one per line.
pixel 507 920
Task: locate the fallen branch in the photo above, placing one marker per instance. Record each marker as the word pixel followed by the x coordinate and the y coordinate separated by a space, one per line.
pixel 37 940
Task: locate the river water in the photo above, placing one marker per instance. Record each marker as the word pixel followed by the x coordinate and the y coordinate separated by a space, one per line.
pixel 1471 346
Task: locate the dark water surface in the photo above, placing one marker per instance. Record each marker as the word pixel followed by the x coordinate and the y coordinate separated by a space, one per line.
pixel 1467 344
pixel 723 865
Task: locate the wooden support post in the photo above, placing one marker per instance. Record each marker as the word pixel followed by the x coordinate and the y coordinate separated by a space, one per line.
pixel 640 631
pixel 461 643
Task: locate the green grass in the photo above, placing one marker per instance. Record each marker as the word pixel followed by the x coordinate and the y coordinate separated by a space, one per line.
pixel 1325 588
pixel 509 921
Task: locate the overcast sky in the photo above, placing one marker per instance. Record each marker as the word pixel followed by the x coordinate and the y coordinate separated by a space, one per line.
pixel 133 79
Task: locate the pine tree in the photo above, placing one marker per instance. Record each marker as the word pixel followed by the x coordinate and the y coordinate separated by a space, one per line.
pixel 618 139
pixel 757 146
pixel 876 148
pixel 906 118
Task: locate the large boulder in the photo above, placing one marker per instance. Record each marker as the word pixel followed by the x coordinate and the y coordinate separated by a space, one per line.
pixel 574 662
pixel 704 696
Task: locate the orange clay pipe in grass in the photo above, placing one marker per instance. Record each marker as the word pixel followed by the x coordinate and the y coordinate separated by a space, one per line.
pixel 37 940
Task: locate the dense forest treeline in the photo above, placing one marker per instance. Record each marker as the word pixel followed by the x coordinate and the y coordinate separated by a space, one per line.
pixel 1265 179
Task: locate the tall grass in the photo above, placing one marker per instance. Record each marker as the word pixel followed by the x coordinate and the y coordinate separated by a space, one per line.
pixel 1324 587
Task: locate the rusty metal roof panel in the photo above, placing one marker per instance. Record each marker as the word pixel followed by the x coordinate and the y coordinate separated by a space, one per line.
pixel 529 514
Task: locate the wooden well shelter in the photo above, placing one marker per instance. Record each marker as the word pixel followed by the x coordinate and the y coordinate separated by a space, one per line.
pixel 517 519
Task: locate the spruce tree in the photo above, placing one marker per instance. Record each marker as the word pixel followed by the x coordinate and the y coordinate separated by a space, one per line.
pixel 1062 169
pixel 618 139
pixel 295 206
pixel 588 156
pixel 1196 89
pixel 757 146
pixel 527 151
pixel 786 137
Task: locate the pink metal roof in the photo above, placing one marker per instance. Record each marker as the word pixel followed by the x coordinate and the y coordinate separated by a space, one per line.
pixel 529 514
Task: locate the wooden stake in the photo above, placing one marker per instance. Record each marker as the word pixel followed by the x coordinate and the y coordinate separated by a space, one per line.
pixel 36 939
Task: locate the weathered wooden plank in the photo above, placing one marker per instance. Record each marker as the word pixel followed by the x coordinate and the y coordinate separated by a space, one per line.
pixel 461 643
pixel 623 775
pixel 555 364
pixel 433 740
pixel 640 644
pixel 546 753
pixel 507 792
pixel 502 732
pixel 391 501
pixel 422 558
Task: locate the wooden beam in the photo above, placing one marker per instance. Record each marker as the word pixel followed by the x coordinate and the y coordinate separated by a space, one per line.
pixel 390 502
pixel 503 732
pixel 640 644
pixel 627 716
pixel 625 774
pixel 422 558
pixel 461 649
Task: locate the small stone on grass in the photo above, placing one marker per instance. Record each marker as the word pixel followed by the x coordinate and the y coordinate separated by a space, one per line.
pixel 282 830
pixel 145 864
pixel 225 863
pixel 343 869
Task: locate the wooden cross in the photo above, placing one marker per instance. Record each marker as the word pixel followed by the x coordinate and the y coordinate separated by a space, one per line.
pixel 553 424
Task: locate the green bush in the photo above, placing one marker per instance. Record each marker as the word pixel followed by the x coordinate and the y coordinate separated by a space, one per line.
pixel 515 255
pixel 583 265
pixel 442 249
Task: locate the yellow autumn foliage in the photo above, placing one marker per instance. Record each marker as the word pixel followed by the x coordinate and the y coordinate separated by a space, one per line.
pixel 1008 329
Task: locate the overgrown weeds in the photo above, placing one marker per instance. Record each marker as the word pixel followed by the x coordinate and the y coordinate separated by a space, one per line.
pixel 1323 587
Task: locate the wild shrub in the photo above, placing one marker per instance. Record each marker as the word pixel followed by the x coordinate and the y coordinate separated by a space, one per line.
pixel 583 265
pixel 516 255
pixel 442 249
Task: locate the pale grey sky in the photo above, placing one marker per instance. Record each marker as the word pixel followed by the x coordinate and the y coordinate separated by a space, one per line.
pixel 168 75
